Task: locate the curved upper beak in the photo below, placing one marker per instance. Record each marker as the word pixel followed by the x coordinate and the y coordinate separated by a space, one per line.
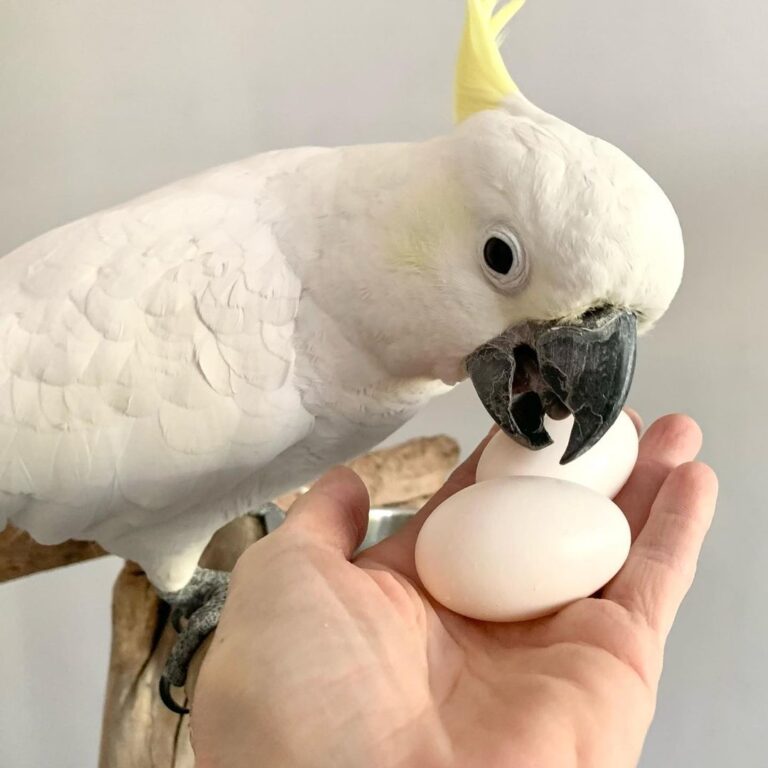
pixel 584 368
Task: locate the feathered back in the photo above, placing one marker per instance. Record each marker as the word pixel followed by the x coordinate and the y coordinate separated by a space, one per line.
pixel 482 79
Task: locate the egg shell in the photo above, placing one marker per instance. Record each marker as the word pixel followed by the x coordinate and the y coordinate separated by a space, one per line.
pixel 514 549
pixel 604 468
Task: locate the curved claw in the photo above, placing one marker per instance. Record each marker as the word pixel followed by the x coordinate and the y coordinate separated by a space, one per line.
pixel 200 602
pixel 167 697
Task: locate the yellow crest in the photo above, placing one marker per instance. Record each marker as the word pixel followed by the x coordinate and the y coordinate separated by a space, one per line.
pixel 482 79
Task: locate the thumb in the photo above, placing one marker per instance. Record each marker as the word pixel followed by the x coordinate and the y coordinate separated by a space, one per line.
pixel 333 513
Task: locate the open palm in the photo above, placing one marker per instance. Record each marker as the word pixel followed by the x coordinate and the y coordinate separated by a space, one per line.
pixel 319 661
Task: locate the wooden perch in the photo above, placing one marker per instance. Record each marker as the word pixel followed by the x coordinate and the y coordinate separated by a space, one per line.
pixel 400 474
pixel 409 471
pixel 21 555
pixel 137 730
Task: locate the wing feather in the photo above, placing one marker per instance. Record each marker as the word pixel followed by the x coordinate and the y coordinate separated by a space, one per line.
pixel 146 359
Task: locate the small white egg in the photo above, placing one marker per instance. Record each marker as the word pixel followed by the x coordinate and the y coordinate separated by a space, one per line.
pixel 604 468
pixel 514 549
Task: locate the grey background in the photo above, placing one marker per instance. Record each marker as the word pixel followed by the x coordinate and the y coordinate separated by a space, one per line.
pixel 100 100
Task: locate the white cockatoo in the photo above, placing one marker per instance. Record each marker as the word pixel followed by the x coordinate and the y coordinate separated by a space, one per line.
pixel 168 364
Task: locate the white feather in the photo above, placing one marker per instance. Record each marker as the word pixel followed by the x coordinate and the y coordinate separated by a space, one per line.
pixel 116 402
pixel 148 382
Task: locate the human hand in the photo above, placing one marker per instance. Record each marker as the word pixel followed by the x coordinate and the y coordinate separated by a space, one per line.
pixel 319 661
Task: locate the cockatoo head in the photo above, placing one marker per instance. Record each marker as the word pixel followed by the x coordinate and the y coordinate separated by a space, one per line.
pixel 554 250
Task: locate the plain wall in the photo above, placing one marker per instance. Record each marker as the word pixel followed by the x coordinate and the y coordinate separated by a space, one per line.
pixel 101 100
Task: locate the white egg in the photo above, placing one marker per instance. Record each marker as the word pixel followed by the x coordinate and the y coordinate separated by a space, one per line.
pixel 604 468
pixel 514 549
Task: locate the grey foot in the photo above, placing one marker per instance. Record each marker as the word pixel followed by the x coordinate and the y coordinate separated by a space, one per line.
pixel 200 603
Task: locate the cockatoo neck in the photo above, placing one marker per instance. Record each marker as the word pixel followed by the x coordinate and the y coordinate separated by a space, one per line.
pixel 373 264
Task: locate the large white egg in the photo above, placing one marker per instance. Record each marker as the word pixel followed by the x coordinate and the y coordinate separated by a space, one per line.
pixel 604 468
pixel 514 549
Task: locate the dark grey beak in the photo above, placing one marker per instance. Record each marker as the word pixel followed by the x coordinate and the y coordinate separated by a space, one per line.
pixel 584 368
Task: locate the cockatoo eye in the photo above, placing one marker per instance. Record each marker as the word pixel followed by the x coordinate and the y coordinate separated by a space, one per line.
pixel 504 260
pixel 499 255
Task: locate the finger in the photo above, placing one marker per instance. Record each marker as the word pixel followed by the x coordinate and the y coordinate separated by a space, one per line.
pixel 669 442
pixel 636 419
pixel 333 513
pixel 662 562
pixel 397 551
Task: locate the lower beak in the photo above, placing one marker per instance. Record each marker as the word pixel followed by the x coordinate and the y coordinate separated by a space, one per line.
pixel 584 368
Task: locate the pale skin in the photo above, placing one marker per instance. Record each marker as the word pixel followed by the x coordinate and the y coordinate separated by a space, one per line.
pixel 325 660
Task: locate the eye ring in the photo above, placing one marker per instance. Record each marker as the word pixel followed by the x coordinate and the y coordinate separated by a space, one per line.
pixel 503 259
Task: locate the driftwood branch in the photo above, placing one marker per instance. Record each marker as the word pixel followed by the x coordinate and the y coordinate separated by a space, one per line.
pixel 21 555
pixel 393 475
pixel 138 732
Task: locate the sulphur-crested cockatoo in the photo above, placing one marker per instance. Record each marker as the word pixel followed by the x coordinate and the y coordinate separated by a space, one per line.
pixel 168 364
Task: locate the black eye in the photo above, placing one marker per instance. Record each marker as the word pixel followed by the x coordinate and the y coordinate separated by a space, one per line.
pixel 499 255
